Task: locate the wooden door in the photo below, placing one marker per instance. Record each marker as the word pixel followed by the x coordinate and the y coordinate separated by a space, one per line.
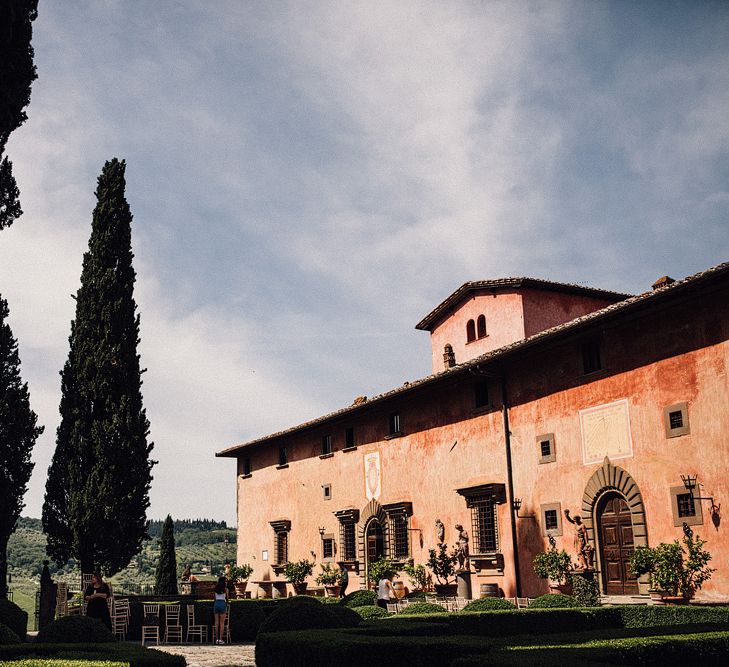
pixel 616 545
pixel 375 541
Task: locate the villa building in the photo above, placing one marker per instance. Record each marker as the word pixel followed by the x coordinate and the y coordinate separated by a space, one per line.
pixel 544 397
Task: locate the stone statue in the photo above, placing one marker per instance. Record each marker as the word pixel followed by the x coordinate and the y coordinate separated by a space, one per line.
pixel 583 548
pixel 439 531
pixel 462 549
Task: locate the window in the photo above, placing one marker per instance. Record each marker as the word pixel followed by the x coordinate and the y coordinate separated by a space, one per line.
pixel 685 504
pixel 326 445
pixel 349 438
pixel 470 331
pixel 393 424
pixel 481 326
pixel 591 357
pixel 327 491
pixel 327 547
pixel 551 514
pixel 247 467
pixel 348 519
pixel 481 394
pixel 545 445
pixel 283 459
pixel 399 536
pixel 482 501
pixel 685 508
pixel 281 530
pixel 675 420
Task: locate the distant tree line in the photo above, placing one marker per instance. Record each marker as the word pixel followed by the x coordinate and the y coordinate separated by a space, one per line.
pixel 154 528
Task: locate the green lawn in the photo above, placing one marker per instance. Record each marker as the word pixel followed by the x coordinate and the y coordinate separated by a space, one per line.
pixel 24 597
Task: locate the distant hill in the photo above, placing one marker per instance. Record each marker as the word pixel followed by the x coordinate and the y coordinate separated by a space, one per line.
pixel 200 543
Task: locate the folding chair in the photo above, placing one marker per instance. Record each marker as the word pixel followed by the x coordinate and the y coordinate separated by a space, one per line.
pixel 195 629
pixel 150 623
pixel 523 603
pixel 173 628
pixel 392 608
pixel 61 599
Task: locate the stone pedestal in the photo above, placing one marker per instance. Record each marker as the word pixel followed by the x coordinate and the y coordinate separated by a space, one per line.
pixel 463 581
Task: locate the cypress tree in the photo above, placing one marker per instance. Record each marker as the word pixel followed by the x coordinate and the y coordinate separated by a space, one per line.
pixel 97 491
pixel 166 575
pixel 17 73
pixel 18 433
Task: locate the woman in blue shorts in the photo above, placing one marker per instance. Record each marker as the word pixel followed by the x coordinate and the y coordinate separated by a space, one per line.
pixel 220 609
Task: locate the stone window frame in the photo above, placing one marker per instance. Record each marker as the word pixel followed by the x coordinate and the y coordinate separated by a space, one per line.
pixel 481 331
pixel 684 429
pixel 326 490
pixel 696 520
pixel 470 331
pixel 551 507
pixel 350 446
pixel 348 520
pixel 394 425
pixel 281 530
pixel 324 538
pixel 482 500
pixel 552 456
pixel 327 446
pixel 397 550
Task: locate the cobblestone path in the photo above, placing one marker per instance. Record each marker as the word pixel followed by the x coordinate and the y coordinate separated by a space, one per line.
pixel 234 655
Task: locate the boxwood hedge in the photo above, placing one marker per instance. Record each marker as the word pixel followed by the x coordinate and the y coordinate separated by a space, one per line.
pixel 132 654
pixel 14 617
pixel 7 636
pixel 75 630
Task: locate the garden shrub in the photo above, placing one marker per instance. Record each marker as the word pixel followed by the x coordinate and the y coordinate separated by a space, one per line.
pixel 75 630
pixel 368 612
pixel 7 636
pixel 133 655
pixel 488 604
pixel 416 595
pixel 359 599
pixel 644 616
pixel 14 617
pixel 303 612
pixel 422 608
pixel 585 591
pixel 553 601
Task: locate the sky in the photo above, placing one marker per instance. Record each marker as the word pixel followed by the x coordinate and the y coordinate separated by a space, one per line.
pixel 309 179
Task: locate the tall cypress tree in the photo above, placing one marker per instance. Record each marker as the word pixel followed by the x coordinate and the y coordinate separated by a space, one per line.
pixel 17 73
pixel 18 433
pixel 97 491
pixel 166 575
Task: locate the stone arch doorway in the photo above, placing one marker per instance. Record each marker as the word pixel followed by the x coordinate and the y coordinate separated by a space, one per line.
pixel 373 535
pixel 612 502
pixel 614 530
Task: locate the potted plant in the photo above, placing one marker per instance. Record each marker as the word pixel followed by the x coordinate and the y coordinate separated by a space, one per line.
pixel 677 570
pixel 443 566
pixel 555 566
pixel 330 578
pixel 239 576
pixel 382 567
pixel 296 574
pixel 418 576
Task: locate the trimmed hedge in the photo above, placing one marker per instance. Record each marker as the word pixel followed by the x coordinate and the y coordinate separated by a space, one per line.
pixel 422 608
pixel 359 599
pixel 489 604
pixel 7 636
pixel 132 654
pixel 75 630
pixel 302 613
pixel 643 616
pixel 553 601
pixel 14 617
pixel 368 613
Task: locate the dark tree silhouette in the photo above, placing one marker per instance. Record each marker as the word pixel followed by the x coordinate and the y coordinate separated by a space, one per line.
pixel 166 575
pixel 97 491
pixel 18 433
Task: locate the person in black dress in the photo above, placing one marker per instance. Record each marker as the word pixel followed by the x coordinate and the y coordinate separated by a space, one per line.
pixel 96 595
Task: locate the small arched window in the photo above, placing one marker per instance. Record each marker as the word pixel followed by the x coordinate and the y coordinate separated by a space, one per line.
pixel 481 326
pixel 470 331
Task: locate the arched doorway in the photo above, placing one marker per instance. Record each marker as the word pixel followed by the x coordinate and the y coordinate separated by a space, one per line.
pixel 375 540
pixel 615 535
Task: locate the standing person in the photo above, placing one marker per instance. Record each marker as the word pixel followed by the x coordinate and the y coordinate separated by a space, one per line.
pixel 96 595
pixel 385 591
pixel 220 609
pixel 343 581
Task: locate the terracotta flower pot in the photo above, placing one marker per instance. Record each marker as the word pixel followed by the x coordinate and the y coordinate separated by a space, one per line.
pixel 240 588
pixel 562 589
pixel 332 591
pixel 300 589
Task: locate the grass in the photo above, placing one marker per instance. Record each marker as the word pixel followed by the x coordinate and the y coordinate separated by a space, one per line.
pixel 24 597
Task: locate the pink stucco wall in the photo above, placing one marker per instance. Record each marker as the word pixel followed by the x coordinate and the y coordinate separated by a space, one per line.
pixel 656 359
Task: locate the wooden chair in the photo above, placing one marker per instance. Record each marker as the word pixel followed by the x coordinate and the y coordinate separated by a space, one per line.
pixel 61 599
pixel 392 608
pixel 120 618
pixel 195 629
pixel 523 603
pixel 173 628
pixel 150 623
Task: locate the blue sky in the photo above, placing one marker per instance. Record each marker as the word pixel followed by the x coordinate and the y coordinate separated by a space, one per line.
pixel 308 179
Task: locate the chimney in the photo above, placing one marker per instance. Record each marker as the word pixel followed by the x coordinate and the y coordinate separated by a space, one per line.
pixel 665 281
pixel 449 357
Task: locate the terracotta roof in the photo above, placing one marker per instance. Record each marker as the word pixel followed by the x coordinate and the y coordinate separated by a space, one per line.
pixel 625 306
pixel 448 305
